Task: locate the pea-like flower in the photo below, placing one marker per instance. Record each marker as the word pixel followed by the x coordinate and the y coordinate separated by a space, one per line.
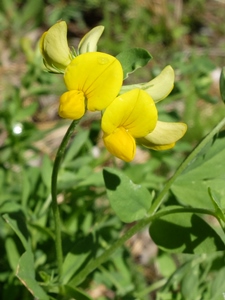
pixel 93 80
pixel 54 48
pixel 131 115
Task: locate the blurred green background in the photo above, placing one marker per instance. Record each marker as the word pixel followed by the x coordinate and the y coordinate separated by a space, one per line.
pixel 189 35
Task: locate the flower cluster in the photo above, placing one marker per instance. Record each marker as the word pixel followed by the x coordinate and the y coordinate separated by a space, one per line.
pixel 94 82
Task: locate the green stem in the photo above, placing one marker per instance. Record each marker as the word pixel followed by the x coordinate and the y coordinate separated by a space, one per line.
pixel 183 166
pixel 55 208
pixel 137 227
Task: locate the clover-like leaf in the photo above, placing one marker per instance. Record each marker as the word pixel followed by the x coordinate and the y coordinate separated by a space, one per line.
pixel 130 201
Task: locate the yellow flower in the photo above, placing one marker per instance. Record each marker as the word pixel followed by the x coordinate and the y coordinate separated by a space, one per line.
pixel 131 115
pixel 164 136
pixel 93 81
pixel 54 48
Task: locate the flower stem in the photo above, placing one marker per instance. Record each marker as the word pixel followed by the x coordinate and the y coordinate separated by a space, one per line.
pixel 156 204
pixel 55 208
pixel 137 227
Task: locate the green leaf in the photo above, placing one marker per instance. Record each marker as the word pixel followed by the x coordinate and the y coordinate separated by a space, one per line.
pixel 26 274
pixel 25 270
pixel 132 59
pixel 79 140
pixel 26 188
pixel 216 202
pixel 130 201
pixel 165 264
pixel 12 252
pixel 92 179
pixel 119 274
pixel 186 233
pixel 181 270
pixel 9 207
pixel 32 10
pixel 190 283
pixel 76 257
pixel 46 171
pixel 218 285
pixel 17 222
pixel 222 84
pixel 75 293
pixel 206 171
pixel 27 111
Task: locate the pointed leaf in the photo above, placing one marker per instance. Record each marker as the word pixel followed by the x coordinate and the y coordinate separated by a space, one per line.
pixel 75 293
pixel 130 201
pixel 132 59
pixel 17 222
pixel 76 257
pixel 12 252
pixel 46 171
pixel 26 188
pixel 26 274
pixel 27 111
pixel 190 283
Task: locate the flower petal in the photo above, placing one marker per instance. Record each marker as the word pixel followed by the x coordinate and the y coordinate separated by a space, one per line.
pixel 54 47
pixel 164 136
pixel 98 75
pixel 72 105
pixel 89 42
pixel 120 144
pixel 159 87
pixel 134 110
